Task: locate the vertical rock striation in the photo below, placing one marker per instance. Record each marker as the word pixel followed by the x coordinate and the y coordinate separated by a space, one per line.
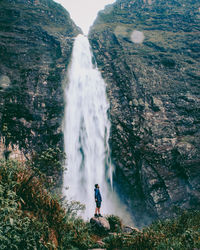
pixel 36 38
pixel 148 53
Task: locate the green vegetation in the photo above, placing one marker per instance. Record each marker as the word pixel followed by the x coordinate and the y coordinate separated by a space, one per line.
pixel 115 223
pixel 33 218
pixel 49 164
pixel 49 160
pixel 180 233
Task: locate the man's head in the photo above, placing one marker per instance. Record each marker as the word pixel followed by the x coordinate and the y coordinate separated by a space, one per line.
pixel 96 185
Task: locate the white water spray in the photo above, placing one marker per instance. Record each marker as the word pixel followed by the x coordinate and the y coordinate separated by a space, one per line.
pixel 86 134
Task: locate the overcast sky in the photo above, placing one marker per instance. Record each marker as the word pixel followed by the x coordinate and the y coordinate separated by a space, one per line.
pixel 84 12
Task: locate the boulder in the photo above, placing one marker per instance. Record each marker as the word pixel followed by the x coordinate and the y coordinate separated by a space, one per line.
pixel 100 224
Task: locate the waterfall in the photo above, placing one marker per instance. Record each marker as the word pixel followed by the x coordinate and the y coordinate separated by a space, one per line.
pixel 86 134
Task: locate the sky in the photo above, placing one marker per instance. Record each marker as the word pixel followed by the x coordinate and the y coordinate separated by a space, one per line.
pixel 84 12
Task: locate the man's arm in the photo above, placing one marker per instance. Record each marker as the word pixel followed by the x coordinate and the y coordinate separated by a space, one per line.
pixel 100 196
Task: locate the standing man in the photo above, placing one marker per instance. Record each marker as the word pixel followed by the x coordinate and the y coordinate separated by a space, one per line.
pixel 98 200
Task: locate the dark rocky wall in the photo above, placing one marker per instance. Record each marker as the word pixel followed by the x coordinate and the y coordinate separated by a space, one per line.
pixel 154 91
pixel 36 38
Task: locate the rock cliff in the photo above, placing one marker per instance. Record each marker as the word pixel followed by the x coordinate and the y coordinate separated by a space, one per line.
pixel 36 38
pixel 148 53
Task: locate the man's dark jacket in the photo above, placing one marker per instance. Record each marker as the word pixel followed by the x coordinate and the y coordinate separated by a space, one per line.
pixel 97 195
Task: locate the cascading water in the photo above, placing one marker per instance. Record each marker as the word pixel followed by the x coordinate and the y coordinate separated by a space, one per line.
pixel 86 134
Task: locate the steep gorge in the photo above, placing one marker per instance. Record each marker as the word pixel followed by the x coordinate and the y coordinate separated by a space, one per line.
pixel 152 78
pixel 148 53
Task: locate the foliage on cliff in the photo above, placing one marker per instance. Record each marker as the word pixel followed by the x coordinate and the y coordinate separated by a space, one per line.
pixel 50 164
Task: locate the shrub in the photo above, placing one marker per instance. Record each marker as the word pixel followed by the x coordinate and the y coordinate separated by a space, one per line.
pixel 50 160
pixel 76 235
pixel 17 231
pixel 115 223
pixel 49 165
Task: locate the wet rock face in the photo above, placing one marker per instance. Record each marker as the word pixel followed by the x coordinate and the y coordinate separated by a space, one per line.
pixel 148 53
pixel 36 38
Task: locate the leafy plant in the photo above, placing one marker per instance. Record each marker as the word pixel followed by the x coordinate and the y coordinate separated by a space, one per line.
pixel 115 223
pixel 50 160
pixel 49 165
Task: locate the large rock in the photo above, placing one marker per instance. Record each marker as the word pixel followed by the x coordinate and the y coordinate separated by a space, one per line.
pixel 130 230
pixel 148 53
pixel 101 224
